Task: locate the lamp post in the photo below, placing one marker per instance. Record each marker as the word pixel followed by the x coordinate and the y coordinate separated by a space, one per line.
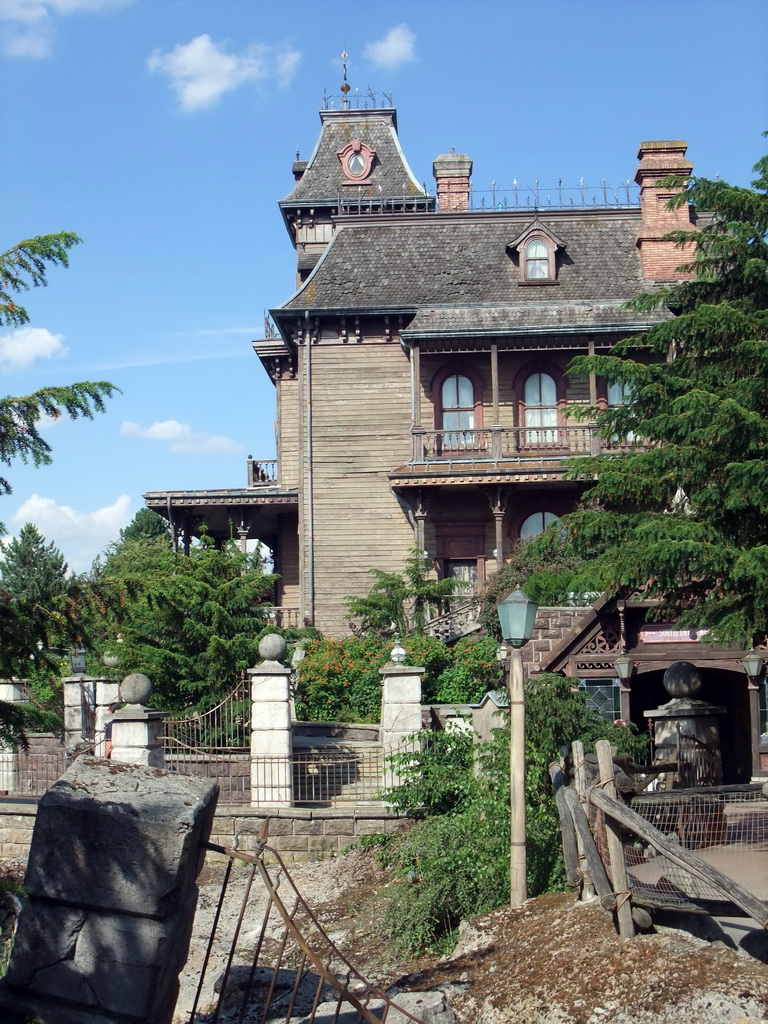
pixel 517 614
pixel 753 667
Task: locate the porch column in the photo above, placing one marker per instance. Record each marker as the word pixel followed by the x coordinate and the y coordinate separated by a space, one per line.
pixel 416 384
pixel 496 425
pixel 271 746
pixel 420 515
pixel 498 518
pixel 594 447
pixel 498 503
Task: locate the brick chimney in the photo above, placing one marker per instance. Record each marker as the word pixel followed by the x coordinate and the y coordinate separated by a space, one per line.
pixel 660 257
pixel 452 172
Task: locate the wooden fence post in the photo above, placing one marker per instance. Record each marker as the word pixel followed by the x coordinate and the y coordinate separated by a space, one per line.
pixel 580 783
pixel 615 851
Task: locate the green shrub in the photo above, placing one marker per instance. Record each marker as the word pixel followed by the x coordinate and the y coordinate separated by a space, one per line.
pixel 455 863
pixel 473 671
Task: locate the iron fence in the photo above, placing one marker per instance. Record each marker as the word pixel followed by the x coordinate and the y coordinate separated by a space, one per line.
pixel 30 773
pixel 226 726
pixel 559 196
pixel 307 779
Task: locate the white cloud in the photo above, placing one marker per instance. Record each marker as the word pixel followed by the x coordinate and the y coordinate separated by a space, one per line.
pixel 394 49
pixel 201 71
pixel 181 438
pixel 80 536
pixel 29 24
pixel 20 348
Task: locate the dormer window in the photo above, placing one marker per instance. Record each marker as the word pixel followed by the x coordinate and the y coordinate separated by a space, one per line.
pixel 356 161
pixel 536 249
pixel 537 260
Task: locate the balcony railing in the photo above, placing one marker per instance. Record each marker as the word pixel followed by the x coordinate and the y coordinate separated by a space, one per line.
pixel 511 444
pixel 262 471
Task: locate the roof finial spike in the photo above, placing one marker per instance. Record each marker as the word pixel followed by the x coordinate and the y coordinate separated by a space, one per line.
pixel 345 83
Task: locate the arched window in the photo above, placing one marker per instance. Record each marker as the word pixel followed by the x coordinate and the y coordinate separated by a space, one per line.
pixel 458 409
pixel 537 260
pixel 536 523
pixel 618 393
pixel 540 409
pixel 457 398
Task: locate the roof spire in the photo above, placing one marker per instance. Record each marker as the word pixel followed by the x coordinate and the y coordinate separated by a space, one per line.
pixel 345 83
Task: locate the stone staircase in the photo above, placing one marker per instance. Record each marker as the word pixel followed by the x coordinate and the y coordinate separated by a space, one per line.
pixel 335 770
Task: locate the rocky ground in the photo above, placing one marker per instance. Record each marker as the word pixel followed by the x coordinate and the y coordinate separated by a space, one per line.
pixel 553 961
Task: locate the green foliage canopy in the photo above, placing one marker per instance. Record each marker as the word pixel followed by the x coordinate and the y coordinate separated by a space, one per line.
pixel 189 622
pixel 688 515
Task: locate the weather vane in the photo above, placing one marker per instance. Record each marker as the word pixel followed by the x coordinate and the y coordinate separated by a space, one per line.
pixel 345 83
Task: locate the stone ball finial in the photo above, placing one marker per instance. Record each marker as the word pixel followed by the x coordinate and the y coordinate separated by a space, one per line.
pixel 272 647
pixel 136 688
pixel 682 679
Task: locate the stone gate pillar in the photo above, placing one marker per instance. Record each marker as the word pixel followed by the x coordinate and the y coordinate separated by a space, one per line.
pixel 12 691
pixel 136 728
pixel 271 749
pixel 400 704
pixel 79 708
pixel 107 692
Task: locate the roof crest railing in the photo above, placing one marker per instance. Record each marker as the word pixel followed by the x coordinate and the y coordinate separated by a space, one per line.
pixel 560 196
pixel 533 199
pixel 357 100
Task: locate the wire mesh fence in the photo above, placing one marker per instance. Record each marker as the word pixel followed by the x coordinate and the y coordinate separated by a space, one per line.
pixel 726 826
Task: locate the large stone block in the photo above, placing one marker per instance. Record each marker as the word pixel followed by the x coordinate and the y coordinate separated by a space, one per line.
pixel 112 866
pixel 271 714
pixel 274 743
pixel 273 685
pixel 402 718
pixel 401 689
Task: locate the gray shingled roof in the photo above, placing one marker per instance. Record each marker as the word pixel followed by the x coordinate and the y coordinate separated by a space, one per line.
pixel 439 260
pixel 464 320
pixel 324 178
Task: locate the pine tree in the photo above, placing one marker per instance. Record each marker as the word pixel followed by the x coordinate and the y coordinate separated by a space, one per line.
pixel 32 570
pixel 28 627
pixel 21 268
pixel 687 514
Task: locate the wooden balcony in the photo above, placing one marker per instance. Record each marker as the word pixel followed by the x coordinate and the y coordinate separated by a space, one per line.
pixel 261 472
pixel 510 444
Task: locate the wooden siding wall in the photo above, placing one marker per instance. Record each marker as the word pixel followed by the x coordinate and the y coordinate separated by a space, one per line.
pixel 289 408
pixel 289 587
pixel 361 432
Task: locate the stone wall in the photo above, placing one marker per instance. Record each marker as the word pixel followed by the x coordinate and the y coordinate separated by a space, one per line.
pixel 552 626
pixel 298 834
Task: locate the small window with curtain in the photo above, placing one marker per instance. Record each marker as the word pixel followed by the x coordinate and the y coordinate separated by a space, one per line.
pixel 537 260
pixel 618 393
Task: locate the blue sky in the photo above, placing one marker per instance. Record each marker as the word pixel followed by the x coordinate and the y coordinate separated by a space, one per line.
pixel 163 131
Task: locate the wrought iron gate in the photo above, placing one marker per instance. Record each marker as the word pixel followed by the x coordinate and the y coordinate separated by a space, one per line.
pixel 293 971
